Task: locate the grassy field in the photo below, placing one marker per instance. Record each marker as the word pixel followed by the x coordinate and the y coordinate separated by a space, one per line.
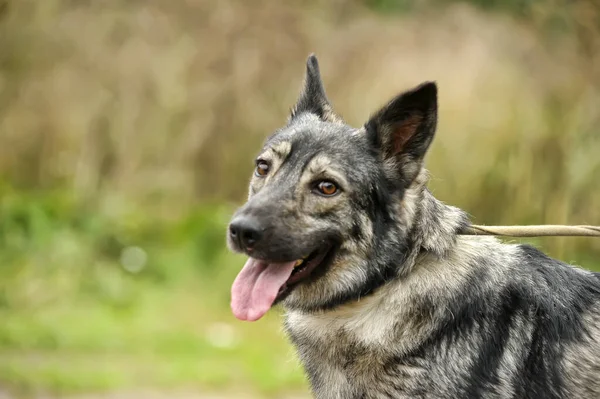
pixel 89 303
pixel 127 133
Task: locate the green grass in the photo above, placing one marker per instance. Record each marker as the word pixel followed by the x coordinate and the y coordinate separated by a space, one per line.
pixel 167 340
pixel 75 317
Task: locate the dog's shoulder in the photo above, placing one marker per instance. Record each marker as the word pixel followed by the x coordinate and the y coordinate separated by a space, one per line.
pixel 573 287
pixel 570 297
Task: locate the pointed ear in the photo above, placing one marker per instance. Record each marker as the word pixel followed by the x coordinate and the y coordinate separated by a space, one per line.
pixel 404 128
pixel 312 98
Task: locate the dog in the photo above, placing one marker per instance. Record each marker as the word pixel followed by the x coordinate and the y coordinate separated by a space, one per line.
pixel 383 298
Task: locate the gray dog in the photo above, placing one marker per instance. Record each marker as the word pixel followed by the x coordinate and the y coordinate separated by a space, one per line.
pixel 383 298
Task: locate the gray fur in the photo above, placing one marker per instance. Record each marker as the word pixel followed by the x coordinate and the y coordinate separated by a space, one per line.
pixel 406 308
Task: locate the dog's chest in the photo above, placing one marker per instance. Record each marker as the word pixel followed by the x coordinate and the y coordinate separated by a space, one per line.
pixel 353 355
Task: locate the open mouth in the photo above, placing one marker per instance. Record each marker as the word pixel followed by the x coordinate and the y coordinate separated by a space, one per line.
pixel 303 268
pixel 260 284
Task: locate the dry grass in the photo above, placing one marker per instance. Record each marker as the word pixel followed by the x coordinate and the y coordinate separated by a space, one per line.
pixel 168 101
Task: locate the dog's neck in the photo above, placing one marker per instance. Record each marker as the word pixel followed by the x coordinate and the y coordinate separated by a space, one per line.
pixel 432 225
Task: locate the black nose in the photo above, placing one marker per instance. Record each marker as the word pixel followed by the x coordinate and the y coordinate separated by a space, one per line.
pixel 246 231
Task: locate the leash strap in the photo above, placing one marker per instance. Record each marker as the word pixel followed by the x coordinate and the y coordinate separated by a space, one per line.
pixel 532 231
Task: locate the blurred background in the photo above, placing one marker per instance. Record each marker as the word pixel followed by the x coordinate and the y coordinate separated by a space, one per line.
pixel 128 130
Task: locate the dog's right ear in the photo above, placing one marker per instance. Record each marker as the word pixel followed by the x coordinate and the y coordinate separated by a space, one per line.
pixel 403 129
pixel 312 97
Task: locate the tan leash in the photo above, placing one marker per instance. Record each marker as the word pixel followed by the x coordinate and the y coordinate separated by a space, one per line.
pixel 532 231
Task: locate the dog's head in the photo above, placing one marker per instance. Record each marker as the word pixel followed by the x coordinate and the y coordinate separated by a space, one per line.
pixel 325 218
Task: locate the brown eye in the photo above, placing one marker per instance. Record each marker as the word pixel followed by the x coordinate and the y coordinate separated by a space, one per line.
pixel 262 168
pixel 327 188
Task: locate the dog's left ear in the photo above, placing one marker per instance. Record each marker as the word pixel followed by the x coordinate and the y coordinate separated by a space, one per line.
pixel 312 97
pixel 403 129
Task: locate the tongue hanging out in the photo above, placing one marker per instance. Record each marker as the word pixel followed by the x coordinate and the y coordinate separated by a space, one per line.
pixel 256 286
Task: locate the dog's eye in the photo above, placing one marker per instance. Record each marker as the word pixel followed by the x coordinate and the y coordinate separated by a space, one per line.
pixel 262 168
pixel 327 188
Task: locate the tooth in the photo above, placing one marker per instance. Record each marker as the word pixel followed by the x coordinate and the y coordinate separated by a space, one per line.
pixel 299 262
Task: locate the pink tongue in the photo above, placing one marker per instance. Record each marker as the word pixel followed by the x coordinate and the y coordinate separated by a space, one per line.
pixel 256 287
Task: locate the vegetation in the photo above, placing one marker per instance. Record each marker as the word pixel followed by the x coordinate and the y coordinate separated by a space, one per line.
pixel 127 133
